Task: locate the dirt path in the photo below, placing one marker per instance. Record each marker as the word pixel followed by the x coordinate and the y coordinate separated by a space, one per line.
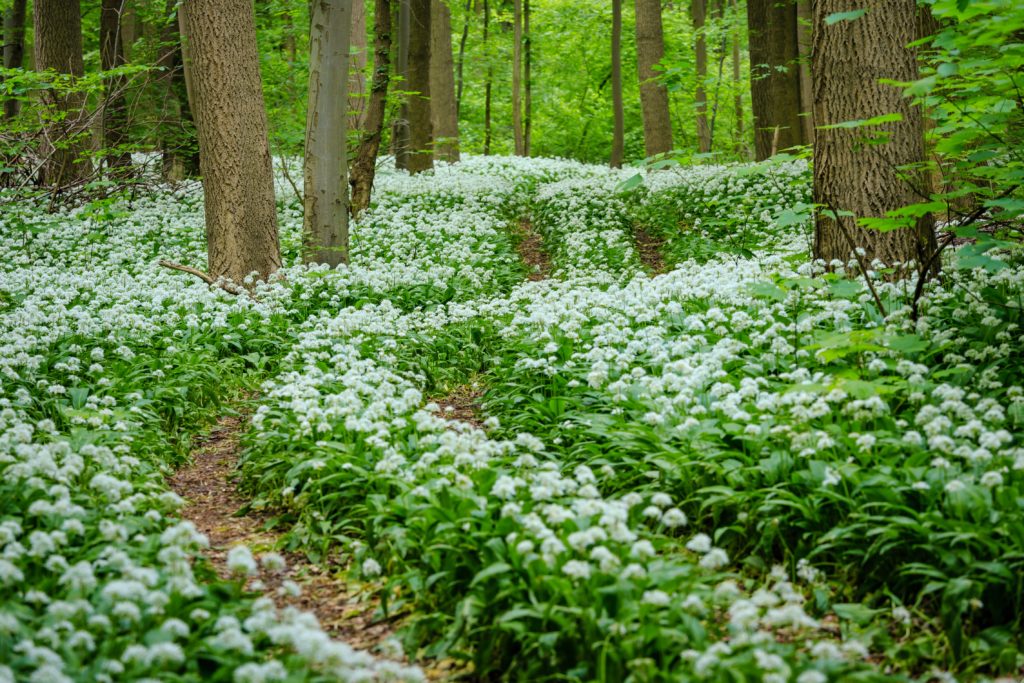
pixel 530 246
pixel 649 250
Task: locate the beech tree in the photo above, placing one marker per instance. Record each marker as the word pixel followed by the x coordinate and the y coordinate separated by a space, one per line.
pixel 618 127
pixel 358 51
pixel 325 193
pixel 443 111
pixel 650 48
pixel 850 59
pixel 774 76
pixel 222 67
pixel 365 165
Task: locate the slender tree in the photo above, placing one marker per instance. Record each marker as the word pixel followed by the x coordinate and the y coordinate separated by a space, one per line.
pixel 178 146
pixel 488 80
pixel 527 81
pixel 850 61
pixel 774 75
pixel 443 110
pixel 421 137
pixel 650 49
pixel 698 12
pixel 739 134
pixel 400 127
pixel 461 60
pixel 325 187
pixel 618 128
pixel 517 65
pixel 58 46
pixel 358 51
pixel 115 107
pixel 14 48
pixel 803 42
pixel 365 165
pixel 222 64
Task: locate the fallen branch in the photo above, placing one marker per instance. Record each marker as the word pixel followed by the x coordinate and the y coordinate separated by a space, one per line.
pixel 229 287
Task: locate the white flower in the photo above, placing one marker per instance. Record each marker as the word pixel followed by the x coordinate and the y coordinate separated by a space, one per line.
pixel 716 558
pixel 577 569
pixel 240 561
pixel 371 568
pixel 701 543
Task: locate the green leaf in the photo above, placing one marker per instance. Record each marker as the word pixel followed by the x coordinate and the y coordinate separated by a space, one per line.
pixel 631 183
pixel 855 612
pixel 852 15
pixel 495 569
pixel 78 396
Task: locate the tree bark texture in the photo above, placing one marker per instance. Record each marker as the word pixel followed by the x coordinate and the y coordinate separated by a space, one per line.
pixel 358 49
pixel 849 59
pixel 58 46
pixel 488 82
pixel 14 48
pixel 325 223
pixel 650 49
pixel 443 112
pixel 527 81
pixel 517 78
pixel 115 106
pixel 400 128
pixel 774 76
pixel 421 138
pixel 803 41
pixel 698 12
pixel 741 146
pixel 618 126
pixel 231 121
pixel 365 165
pixel 178 144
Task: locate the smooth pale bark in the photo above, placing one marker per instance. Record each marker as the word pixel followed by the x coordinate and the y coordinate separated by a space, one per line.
pixel 58 46
pixel 618 127
pixel 527 81
pixel 650 49
pixel 14 48
pixel 774 76
pixel 849 60
pixel 222 63
pixel 115 108
pixel 325 187
pixel 698 13
pixel 358 50
pixel 421 138
pixel 443 111
pixel 517 64
pixel 365 165
pixel 487 83
pixel 400 127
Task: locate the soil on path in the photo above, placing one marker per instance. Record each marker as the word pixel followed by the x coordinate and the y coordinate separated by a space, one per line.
pixel 649 250
pixel 530 246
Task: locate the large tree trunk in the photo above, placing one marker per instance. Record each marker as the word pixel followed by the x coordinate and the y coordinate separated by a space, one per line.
pixel 325 186
pixel 517 64
pixel 58 46
pixel 698 12
pixel 774 76
pixel 650 48
pixel 618 127
pixel 178 145
pixel 357 101
pixel 222 61
pixel 14 48
pixel 487 82
pixel 365 165
pixel 421 137
pixel 400 128
pixel 527 81
pixel 443 113
pixel 850 58
pixel 115 107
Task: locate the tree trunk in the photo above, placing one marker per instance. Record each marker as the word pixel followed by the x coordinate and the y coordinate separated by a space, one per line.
pixel 443 113
pixel 460 62
pixel 849 59
pixel 177 129
pixel 421 136
pixel 618 127
pixel 365 165
pixel 517 63
pixel 58 46
pixel 325 186
pixel 803 42
pixel 357 101
pixel 14 48
pixel 698 12
pixel 238 183
pixel 741 146
pixel 288 38
pixel 487 82
pixel 774 76
pixel 650 48
pixel 400 128
pixel 115 108
pixel 527 81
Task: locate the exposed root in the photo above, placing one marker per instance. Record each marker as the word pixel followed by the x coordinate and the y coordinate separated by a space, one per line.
pixel 227 286
pixel 649 249
pixel 531 250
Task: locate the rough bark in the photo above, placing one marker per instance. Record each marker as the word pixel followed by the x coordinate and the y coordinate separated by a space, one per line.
pixel 698 12
pixel 365 165
pixel 115 107
pixel 487 82
pixel 421 137
pixel 325 186
pixel 223 66
pixel 400 127
pixel 650 49
pixel 443 112
pixel 517 64
pixel 358 49
pixel 618 127
pixel 849 59
pixel 58 46
pixel 14 48
pixel 774 76
pixel 527 81
pixel 803 41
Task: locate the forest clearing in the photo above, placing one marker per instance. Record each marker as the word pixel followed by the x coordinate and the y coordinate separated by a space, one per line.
pixel 301 387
